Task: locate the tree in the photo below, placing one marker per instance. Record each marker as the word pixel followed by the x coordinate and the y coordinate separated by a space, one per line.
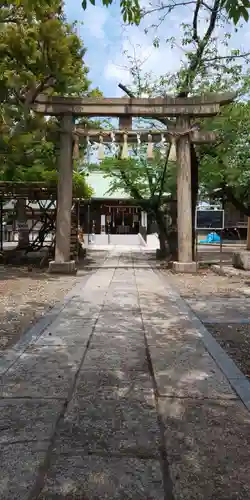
pixel 132 12
pixel 225 167
pixel 149 182
pixel 39 53
pixel 203 67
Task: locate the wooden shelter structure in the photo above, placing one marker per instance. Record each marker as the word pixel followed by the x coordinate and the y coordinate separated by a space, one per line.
pixel 184 110
pixel 44 195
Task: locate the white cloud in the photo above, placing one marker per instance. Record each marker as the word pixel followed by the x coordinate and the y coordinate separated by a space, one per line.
pixel 94 19
pixel 150 59
pixel 113 71
pixel 107 40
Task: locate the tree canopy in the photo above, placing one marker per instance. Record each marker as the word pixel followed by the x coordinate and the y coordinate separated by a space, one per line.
pixel 132 11
pixel 150 183
pixel 225 168
pixel 39 53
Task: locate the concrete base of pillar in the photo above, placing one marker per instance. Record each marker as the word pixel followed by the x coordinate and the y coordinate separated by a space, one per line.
pixel 184 267
pixel 62 267
pixel 241 260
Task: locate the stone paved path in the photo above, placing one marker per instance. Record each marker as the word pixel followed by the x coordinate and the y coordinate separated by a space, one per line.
pixel 119 399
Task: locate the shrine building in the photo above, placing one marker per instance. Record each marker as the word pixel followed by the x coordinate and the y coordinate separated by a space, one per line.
pixel 114 213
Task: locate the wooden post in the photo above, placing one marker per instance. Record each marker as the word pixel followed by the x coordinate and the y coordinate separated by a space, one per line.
pixel 248 234
pixel 62 263
pixel 184 201
pixel 125 122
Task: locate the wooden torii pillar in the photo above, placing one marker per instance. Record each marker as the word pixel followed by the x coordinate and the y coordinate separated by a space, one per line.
pixel 62 262
pixel 183 109
pixel 184 201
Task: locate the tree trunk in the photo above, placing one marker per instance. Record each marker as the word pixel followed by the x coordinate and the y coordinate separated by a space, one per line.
pixel 167 239
pixel 162 233
pixel 238 204
pixel 22 225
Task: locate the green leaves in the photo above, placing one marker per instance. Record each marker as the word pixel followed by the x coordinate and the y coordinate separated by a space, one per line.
pixel 237 9
pixel 39 52
pixel 228 163
pixel 130 9
pixel 142 180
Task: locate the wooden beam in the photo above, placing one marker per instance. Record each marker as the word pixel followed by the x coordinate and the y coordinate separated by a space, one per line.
pixel 153 107
pixel 196 137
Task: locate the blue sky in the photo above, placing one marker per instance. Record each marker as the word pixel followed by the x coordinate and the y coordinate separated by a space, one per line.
pixel 106 40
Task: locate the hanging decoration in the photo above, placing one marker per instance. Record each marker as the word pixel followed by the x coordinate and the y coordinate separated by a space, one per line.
pixel 172 152
pixel 101 155
pixel 163 146
pixel 119 140
pixel 76 147
pixel 112 136
pixel 124 153
pixel 138 149
pixel 150 152
pixel 88 148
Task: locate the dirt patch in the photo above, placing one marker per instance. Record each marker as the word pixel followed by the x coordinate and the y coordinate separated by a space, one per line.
pixel 235 339
pixel 205 284
pixel 25 295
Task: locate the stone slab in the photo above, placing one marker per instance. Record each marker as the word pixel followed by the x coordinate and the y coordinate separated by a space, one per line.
pixel 208 446
pixel 79 476
pixel 19 464
pixel 185 267
pixel 114 384
pixel 241 260
pixel 172 330
pixel 43 371
pixel 62 267
pixel 118 358
pixel 67 333
pixel 118 340
pixel 110 426
pixel 230 271
pixel 124 300
pixel 125 322
pixel 237 380
pixel 188 372
pixel 27 420
pixel 219 310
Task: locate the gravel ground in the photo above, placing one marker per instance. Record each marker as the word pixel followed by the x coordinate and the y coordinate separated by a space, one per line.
pixel 205 284
pixel 25 295
pixel 234 337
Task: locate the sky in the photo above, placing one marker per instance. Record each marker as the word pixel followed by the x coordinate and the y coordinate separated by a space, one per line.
pixel 106 40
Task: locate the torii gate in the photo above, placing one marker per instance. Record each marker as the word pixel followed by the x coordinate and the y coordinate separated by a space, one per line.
pixel 185 110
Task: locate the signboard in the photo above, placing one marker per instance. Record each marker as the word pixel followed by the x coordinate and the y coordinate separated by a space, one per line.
pixel 209 219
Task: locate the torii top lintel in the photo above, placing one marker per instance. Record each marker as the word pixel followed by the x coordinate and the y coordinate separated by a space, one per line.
pixel 206 105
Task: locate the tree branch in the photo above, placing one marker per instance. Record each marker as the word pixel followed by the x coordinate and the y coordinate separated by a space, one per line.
pixel 229 57
pixel 127 91
pixel 195 21
pixel 196 59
